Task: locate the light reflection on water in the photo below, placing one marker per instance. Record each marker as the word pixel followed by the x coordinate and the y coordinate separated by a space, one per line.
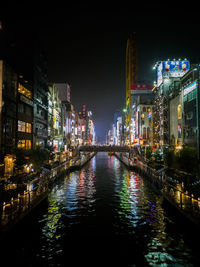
pixel 107 213
pixel 104 199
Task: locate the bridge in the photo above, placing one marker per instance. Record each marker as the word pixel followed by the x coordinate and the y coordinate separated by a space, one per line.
pixel 105 148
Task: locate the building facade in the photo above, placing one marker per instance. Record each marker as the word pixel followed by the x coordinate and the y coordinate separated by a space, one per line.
pixel 55 129
pixel 8 107
pixel 191 109
pixel 169 74
pixel 40 91
pixel 142 99
pixel 24 136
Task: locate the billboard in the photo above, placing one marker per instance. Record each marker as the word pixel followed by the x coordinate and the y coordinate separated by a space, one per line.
pixel 175 68
pixel 159 74
pixel 141 86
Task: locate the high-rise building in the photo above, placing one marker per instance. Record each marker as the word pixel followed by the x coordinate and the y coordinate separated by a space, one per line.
pixel 24 135
pixel 64 91
pixel 141 127
pixel 131 78
pixel 22 50
pixel 169 74
pixel 8 106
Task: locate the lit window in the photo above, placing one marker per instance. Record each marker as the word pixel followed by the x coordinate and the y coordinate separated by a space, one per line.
pixel 21 126
pixel 179 111
pixel 28 127
pixel 28 144
pixel 21 144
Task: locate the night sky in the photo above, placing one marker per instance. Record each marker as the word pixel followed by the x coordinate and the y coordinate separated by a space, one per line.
pixel 86 47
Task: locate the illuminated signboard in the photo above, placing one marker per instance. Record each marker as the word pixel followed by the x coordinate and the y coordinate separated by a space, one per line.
pixel 142 86
pixel 176 68
pixel 55 119
pixel 190 88
pixel 159 74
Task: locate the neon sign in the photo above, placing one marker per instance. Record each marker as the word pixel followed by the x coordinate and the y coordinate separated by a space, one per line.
pixel 190 88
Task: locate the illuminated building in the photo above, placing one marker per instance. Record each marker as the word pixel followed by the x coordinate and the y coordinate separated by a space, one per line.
pixel 40 90
pixel 169 75
pixel 55 137
pixel 64 91
pixel 109 137
pixel 191 107
pixel 176 121
pixel 24 54
pixel 141 114
pixel 117 129
pixel 91 129
pixel 24 136
pixel 131 78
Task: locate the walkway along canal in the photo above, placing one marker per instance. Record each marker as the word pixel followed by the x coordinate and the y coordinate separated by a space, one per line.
pixel 101 215
pixel 36 190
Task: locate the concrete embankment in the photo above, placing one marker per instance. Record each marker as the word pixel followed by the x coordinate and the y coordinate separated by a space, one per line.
pixel 18 207
pixel 169 187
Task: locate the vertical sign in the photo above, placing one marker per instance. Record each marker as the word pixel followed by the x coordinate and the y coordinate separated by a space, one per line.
pixel 68 93
pixel 1 82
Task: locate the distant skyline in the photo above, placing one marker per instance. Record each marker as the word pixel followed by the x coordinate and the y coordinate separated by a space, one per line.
pixel 86 47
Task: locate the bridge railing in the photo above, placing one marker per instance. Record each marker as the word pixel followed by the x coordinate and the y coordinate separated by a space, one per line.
pixel 105 148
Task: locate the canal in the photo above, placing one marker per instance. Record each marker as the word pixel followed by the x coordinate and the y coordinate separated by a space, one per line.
pixel 102 215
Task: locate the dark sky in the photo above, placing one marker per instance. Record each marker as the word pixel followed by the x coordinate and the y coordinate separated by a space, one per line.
pixel 86 47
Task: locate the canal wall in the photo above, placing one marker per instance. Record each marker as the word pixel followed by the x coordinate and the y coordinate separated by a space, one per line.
pixel 37 190
pixel 170 188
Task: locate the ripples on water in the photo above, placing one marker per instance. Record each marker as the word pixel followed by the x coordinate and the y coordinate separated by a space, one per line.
pixel 104 215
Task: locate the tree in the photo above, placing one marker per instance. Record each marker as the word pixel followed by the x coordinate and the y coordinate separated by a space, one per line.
pixel 169 158
pixel 188 159
pixel 22 158
pixel 38 157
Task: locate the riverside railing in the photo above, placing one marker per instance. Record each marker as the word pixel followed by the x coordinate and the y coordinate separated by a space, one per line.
pixel 14 210
pixel 170 188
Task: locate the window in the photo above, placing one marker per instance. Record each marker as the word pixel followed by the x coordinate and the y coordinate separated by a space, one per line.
pixel 28 144
pixel 21 144
pixel 190 96
pixel 21 126
pixel 148 133
pixel 189 115
pixel 28 111
pixel 179 131
pixel 21 108
pixel 194 93
pixel 28 127
pixel 179 111
pixel 144 133
pixel 185 98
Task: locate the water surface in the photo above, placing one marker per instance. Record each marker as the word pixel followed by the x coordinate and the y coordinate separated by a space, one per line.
pixel 103 215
